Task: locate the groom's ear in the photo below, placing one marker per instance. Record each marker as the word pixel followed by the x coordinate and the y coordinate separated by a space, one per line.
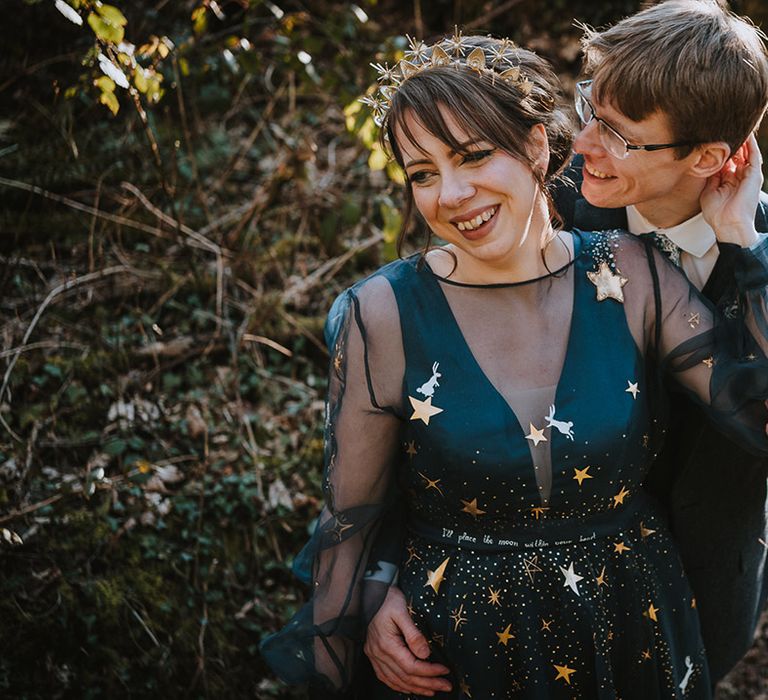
pixel 709 158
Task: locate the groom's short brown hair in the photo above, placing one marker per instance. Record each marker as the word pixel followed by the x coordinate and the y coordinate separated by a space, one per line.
pixel 701 65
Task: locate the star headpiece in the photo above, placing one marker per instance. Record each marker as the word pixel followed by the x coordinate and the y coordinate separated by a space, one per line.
pixel 456 51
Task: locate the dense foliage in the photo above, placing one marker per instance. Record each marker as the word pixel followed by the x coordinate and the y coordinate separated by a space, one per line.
pixel 185 186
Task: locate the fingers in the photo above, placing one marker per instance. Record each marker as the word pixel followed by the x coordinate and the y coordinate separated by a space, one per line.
pixel 415 640
pixel 392 672
pixel 394 645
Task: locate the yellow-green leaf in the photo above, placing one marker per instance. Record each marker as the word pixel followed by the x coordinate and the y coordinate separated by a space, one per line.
pixel 105 83
pixel 350 114
pixel 393 222
pixel 395 172
pixel 109 99
pixel 378 159
pixel 199 19
pixel 140 79
pixel 184 66
pixel 112 15
pixel 104 30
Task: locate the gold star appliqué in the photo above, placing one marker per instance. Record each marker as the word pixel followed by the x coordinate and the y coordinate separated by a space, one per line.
pixel 531 566
pixel 581 474
pixel 435 578
pixel 411 550
pixel 601 578
pixel 618 499
pixel 493 597
pixel 563 671
pixel 423 410
pixel 471 507
pixel 458 617
pixel 505 636
pixel 651 612
pixel 536 435
pixel 608 284
pixel 620 547
pixel 431 483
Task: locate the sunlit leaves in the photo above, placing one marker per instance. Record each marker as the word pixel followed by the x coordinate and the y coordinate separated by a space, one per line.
pixel 107 97
pixel 359 122
pixel 199 19
pixel 156 45
pixel 108 23
pixel 147 82
pixel 393 222
pixel 377 160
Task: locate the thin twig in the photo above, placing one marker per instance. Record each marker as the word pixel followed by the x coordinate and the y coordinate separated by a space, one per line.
pixel 249 337
pixel 265 117
pixel 194 235
pixel 31 508
pixel 79 206
pixel 144 625
pixel 328 269
pixel 188 139
pixel 66 286
pixel 42 344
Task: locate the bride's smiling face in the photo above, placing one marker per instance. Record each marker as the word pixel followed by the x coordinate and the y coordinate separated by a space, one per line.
pixel 483 201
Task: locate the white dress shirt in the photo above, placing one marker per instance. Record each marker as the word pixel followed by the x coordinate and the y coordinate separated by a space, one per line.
pixel 695 238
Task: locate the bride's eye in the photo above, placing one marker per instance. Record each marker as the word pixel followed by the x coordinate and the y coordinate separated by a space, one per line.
pixel 477 156
pixel 419 177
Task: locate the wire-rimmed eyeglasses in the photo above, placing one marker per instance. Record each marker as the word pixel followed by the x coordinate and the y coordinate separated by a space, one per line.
pixel 612 140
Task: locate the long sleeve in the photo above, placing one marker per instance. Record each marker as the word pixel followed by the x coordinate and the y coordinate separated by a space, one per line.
pixel 718 358
pixel 751 274
pixel 321 644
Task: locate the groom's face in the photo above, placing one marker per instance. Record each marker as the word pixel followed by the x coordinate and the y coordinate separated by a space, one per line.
pixel 641 177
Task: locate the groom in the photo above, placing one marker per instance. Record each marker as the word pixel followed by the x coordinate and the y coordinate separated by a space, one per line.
pixel 674 92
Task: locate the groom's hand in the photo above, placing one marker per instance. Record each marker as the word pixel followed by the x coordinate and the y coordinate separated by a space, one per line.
pixel 730 197
pixel 396 649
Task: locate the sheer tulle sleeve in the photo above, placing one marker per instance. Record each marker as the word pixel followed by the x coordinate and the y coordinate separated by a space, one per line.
pixel 718 356
pixel 322 643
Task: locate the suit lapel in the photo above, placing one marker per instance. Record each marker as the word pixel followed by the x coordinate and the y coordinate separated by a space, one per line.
pixel 590 218
pixel 721 278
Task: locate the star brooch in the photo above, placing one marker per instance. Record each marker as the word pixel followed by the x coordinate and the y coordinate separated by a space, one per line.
pixel 608 283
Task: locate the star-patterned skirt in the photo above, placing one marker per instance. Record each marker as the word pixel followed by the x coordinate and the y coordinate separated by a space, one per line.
pixel 573 611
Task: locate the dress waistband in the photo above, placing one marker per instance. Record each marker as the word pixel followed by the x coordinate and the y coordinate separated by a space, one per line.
pixel 551 533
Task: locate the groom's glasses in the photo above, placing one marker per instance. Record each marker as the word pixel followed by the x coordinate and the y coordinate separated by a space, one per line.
pixel 612 140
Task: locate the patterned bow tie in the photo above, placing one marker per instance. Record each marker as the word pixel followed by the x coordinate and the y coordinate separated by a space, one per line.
pixel 666 246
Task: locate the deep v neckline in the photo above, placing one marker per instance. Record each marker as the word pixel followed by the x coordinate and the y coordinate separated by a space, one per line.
pixel 466 350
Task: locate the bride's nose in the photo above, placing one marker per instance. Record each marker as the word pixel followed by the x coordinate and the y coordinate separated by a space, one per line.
pixel 455 190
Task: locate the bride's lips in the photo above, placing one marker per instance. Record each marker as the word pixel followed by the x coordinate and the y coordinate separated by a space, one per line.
pixel 477 223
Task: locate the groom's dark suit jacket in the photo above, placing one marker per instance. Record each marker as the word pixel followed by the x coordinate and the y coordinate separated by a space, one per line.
pixel 714 491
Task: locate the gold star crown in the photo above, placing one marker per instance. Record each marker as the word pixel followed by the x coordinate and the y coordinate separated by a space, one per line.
pixel 457 51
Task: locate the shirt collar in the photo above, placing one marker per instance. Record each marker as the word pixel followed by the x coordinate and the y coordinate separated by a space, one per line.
pixel 695 236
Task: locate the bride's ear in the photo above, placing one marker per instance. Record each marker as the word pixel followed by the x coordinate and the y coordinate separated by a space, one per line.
pixel 538 147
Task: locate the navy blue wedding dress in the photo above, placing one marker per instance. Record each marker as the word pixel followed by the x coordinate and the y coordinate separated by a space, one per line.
pixel 497 437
